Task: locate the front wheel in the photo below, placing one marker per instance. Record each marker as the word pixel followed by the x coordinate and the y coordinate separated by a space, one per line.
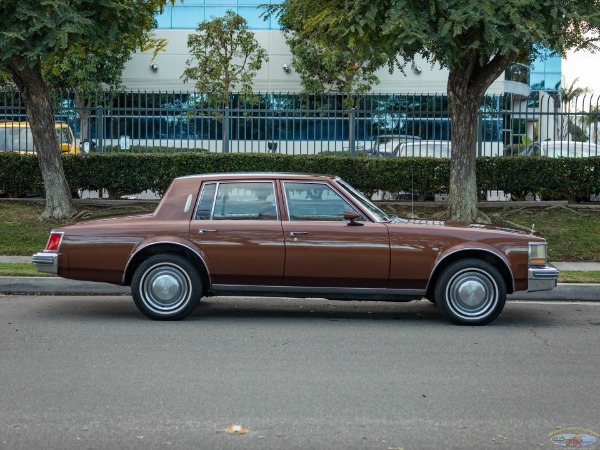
pixel 166 287
pixel 470 292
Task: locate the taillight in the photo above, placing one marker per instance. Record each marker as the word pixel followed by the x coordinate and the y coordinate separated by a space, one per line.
pixel 54 242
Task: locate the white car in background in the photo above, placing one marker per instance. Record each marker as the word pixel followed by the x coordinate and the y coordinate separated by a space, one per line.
pixel 387 145
pixel 561 149
pixel 430 149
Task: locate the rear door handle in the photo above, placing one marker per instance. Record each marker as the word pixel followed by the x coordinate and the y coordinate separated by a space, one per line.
pixel 206 231
pixel 295 233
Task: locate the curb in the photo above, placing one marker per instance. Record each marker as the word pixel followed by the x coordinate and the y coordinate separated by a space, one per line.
pixel 61 286
pixel 58 286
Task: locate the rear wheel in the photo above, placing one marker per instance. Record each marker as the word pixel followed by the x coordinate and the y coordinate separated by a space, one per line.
pixel 166 287
pixel 470 292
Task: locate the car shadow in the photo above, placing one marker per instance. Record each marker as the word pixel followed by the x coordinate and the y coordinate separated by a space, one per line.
pixel 122 308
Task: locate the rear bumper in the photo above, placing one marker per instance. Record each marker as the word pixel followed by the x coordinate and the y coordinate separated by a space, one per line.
pixel 45 262
pixel 543 278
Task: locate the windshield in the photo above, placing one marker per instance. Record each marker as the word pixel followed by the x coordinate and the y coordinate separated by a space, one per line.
pixel 379 215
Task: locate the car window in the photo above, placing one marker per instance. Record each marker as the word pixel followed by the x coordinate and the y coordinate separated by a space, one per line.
pixel 207 199
pixel 237 201
pixel 16 138
pixel 315 201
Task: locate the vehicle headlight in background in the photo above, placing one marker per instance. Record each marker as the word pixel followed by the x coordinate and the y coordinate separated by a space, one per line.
pixel 537 253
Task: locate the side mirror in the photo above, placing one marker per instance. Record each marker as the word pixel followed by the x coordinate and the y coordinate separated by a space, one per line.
pixel 352 216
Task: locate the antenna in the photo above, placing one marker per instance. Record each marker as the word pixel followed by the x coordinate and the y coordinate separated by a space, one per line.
pixel 412 193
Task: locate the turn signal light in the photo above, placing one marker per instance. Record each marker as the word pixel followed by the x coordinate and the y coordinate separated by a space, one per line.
pixel 54 242
pixel 537 254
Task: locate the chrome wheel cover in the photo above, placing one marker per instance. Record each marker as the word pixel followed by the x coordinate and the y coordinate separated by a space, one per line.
pixel 165 288
pixel 472 293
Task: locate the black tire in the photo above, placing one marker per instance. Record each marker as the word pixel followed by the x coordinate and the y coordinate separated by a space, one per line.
pixel 166 287
pixel 470 292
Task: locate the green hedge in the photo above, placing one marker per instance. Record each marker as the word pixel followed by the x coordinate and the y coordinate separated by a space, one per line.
pixel 131 173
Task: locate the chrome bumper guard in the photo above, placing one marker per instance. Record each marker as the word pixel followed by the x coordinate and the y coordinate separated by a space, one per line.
pixel 45 262
pixel 543 278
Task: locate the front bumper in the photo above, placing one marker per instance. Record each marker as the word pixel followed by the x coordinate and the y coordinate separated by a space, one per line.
pixel 45 262
pixel 542 278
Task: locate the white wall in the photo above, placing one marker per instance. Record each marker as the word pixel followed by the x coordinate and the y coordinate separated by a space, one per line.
pixel 271 77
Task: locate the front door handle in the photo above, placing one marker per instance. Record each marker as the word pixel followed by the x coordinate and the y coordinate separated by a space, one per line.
pixel 295 233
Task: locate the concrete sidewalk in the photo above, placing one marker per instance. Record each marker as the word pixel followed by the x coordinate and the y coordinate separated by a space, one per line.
pixel 61 286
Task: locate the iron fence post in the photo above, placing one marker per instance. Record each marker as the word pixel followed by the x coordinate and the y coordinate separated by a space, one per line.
pixel 100 128
pixel 352 131
pixel 226 130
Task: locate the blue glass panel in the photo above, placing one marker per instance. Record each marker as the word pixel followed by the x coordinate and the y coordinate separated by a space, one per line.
pixel 554 64
pixel 252 16
pixel 217 11
pixel 188 16
pixel 553 80
pixel 164 20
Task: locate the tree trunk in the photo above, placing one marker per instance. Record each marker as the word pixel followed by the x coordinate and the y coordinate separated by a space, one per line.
pixel 464 107
pixel 36 97
pixel 468 81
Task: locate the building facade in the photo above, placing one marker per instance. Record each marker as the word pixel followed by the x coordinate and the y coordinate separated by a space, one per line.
pixel 178 21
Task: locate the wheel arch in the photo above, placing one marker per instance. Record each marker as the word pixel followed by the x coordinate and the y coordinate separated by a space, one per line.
pixel 160 247
pixel 486 255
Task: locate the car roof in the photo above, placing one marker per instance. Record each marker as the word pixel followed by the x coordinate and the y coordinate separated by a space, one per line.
pixel 259 175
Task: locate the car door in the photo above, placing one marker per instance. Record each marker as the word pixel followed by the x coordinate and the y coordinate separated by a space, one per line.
pixel 323 249
pixel 236 225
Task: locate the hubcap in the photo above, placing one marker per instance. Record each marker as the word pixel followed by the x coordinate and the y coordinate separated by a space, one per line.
pixel 472 293
pixel 166 288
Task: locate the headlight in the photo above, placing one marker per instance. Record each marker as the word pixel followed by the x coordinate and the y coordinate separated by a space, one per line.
pixel 537 253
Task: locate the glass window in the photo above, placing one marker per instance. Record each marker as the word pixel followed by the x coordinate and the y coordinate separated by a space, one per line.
pixel 315 202
pixel 553 64
pixel 242 201
pixel 188 16
pixel 205 205
pixel 365 202
pixel 193 12
pixel 164 20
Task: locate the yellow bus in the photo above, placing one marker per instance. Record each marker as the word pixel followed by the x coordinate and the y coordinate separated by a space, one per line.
pixel 16 136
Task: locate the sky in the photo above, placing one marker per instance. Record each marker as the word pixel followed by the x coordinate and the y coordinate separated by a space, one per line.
pixel 585 66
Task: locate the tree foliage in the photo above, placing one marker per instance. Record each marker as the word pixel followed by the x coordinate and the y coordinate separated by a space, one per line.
pixel 346 66
pixel 31 31
pixel 474 40
pixel 225 57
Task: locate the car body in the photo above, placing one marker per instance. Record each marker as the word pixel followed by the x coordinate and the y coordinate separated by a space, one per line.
pixel 385 146
pixel 295 235
pixel 17 136
pixel 561 149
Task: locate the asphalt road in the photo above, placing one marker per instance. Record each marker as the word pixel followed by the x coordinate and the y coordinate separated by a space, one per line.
pixel 92 373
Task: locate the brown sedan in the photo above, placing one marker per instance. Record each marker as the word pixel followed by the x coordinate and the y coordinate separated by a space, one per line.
pixel 292 235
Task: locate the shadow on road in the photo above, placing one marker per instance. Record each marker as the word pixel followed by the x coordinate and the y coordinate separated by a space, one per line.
pixel 217 308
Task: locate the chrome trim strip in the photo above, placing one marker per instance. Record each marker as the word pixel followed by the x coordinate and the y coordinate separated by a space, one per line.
pixel 512 277
pixel 45 262
pixel 317 289
pixel 179 244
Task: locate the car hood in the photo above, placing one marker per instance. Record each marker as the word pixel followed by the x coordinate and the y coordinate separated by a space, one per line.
pixel 458 224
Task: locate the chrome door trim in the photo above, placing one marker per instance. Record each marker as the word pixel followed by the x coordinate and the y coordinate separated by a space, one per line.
pixel 318 290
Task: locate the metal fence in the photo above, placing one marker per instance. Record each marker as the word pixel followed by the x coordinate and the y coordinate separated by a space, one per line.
pixel 375 124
